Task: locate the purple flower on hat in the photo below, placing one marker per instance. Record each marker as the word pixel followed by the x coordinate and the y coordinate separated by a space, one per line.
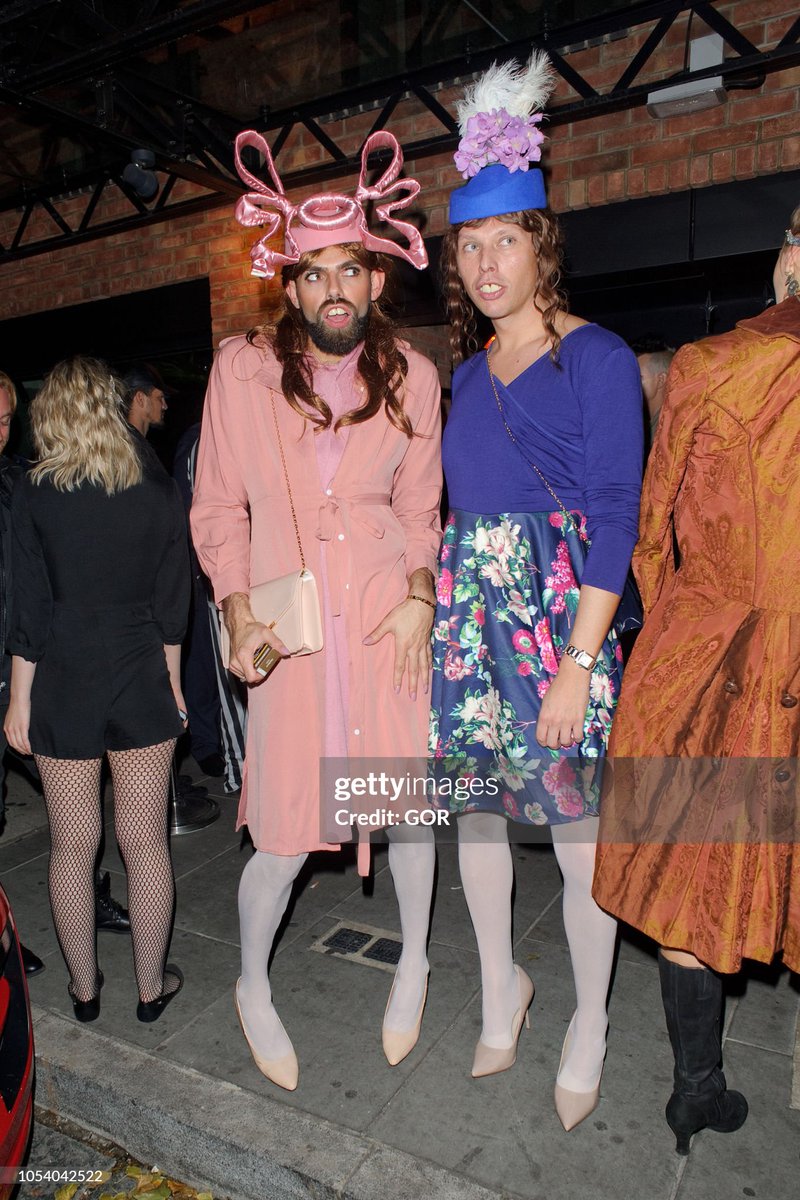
pixel 497 137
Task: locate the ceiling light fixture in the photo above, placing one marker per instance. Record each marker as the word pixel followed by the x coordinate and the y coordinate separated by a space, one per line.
pixel 694 95
pixel 139 174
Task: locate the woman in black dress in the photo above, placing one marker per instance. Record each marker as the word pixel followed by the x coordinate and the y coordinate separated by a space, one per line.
pixel 101 584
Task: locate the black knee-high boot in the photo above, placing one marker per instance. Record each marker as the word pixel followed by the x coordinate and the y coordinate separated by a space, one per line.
pixel 693 1008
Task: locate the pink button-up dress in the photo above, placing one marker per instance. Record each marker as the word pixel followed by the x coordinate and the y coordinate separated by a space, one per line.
pixel 367 503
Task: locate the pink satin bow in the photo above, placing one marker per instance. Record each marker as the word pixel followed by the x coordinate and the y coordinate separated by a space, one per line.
pixel 341 217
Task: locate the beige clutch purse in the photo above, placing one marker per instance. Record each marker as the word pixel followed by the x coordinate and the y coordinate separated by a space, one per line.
pixel 289 604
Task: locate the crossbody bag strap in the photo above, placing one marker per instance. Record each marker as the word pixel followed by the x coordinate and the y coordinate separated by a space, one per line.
pixel 524 456
pixel 286 477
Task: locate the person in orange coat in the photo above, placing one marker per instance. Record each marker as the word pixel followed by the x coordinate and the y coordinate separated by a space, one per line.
pixel 697 830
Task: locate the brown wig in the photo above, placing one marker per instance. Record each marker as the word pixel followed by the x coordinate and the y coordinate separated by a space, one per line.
pixel 381 365
pixel 547 240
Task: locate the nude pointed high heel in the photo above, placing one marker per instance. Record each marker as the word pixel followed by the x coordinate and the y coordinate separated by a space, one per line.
pixel 490 1061
pixel 285 1071
pixel 398 1044
pixel 574 1107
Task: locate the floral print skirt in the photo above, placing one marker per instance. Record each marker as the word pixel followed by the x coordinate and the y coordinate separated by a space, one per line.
pixel 507 596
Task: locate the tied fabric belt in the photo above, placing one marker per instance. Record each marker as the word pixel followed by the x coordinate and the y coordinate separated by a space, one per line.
pixel 335 514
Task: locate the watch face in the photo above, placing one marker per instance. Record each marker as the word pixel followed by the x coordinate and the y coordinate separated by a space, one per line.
pixel 582 657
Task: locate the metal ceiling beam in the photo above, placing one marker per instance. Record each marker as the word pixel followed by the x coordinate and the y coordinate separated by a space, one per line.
pixel 614 97
pixel 93 131
pixel 136 40
pixel 202 133
pixel 84 232
pixel 13 10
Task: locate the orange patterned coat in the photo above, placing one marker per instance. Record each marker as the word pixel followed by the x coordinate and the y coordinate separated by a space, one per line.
pixel 697 840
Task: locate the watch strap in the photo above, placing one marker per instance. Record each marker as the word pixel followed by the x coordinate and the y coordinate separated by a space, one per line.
pixel 582 657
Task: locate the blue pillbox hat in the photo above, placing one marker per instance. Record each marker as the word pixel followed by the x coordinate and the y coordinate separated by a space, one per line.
pixel 495 191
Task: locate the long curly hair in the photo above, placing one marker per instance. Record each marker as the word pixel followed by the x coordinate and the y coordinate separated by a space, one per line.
pixel 548 243
pixel 79 429
pixel 381 365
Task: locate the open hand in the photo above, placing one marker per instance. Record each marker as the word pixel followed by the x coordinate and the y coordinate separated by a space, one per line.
pixel 411 623
pixel 563 712
pixel 17 726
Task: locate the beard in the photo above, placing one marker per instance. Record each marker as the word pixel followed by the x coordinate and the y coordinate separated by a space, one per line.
pixel 337 341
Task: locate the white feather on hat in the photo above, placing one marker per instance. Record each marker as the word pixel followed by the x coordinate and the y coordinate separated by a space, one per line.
pixel 519 90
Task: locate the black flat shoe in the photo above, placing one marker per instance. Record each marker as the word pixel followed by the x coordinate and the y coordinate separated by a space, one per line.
pixel 87 1010
pixel 110 916
pixel 186 786
pixel 151 1010
pixel 31 962
pixel 212 764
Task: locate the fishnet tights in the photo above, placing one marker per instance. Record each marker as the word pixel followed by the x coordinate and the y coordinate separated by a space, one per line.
pixel 72 795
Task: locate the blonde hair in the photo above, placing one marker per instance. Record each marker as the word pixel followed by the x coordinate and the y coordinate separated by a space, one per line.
pixel 6 383
pixel 79 429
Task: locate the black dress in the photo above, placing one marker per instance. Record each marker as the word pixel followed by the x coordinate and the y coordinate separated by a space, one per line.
pixel 101 583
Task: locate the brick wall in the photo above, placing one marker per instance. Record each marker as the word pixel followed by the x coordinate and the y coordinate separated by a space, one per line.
pixel 605 159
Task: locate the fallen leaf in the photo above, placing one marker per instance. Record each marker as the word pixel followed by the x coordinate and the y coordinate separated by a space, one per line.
pixel 67 1191
pixel 181 1190
pixel 148 1181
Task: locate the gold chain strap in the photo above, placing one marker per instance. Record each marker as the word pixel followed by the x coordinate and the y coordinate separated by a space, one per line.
pixel 533 465
pixel 288 484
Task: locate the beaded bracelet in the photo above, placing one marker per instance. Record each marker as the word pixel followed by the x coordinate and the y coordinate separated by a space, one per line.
pixel 422 600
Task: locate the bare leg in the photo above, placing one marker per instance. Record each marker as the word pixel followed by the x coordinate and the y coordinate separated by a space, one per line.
pixel 682 958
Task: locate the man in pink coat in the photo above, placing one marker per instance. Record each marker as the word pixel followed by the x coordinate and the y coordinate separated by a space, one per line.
pixel 359 420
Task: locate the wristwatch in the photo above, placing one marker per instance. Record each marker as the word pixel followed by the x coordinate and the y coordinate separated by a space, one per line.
pixel 582 657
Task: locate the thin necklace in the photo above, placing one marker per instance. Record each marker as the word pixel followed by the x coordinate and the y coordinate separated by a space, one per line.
pixel 532 465
pixel 544 339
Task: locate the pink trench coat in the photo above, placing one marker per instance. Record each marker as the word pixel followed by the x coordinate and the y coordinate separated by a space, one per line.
pixel 379 520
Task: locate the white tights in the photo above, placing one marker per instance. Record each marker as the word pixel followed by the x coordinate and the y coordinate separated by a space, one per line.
pixel 412 861
pixel 487 876
pixel 264 892
pixel 592 935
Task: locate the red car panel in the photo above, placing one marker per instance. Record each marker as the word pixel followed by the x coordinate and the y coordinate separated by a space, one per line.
pixel 16 1054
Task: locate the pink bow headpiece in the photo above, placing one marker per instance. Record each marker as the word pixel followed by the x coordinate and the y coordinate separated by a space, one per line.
pixel 328 219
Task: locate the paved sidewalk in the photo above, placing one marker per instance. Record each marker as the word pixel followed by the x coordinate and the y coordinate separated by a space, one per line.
pixel 184 1092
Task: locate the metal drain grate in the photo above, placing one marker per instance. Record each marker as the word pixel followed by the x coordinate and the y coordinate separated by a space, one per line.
pixel 347 941
pixel 361 944
pixel 385 950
